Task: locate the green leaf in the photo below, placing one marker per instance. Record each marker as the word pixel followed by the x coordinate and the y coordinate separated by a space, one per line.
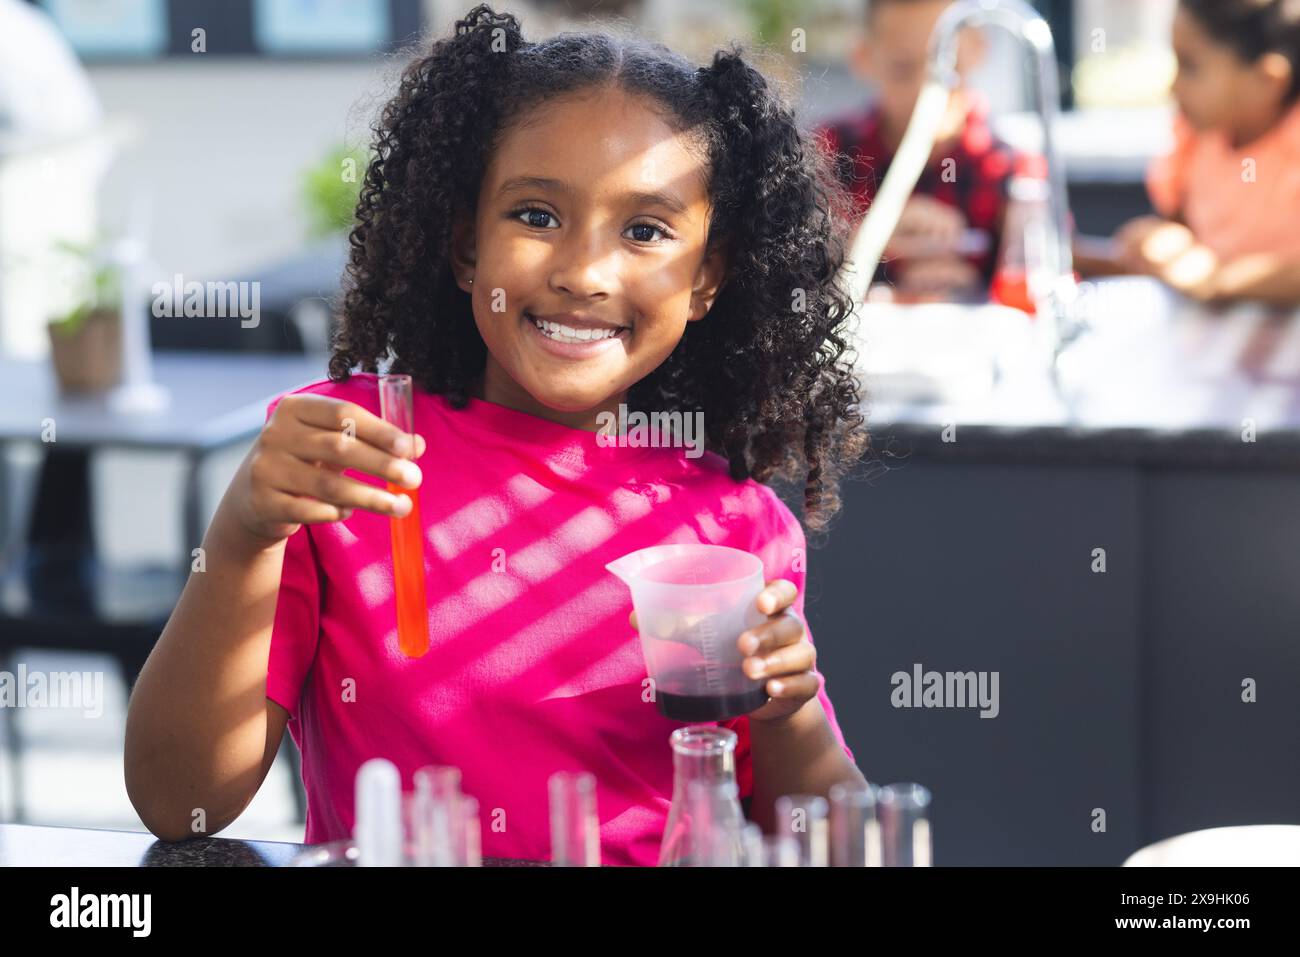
pixel 98 282
pixel 69 324
pixel 331 188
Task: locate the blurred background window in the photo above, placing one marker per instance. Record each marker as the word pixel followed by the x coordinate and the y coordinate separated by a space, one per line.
pixel 112 28
pixel 1122 53
pixel 319 26
pixel 126 30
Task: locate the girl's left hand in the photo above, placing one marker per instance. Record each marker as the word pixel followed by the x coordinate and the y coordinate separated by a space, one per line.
pixel 779 651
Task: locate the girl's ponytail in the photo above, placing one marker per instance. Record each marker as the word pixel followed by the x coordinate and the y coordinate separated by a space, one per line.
pixel 747 114
pixel 739 92
pixel 798 195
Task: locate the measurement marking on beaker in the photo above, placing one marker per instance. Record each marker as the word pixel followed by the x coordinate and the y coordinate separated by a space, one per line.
pixel 708 631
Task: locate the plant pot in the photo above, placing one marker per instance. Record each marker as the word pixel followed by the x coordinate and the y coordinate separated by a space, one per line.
pixel 89 359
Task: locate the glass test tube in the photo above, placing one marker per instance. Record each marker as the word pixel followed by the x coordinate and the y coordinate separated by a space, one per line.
pixel 471 852
pixel 855 832
pixel 575 828
pixel 438 825
pixel 751 839
pixel 904 825
pixel 396 407
pixel 803 817
pixel 780 850
pixel 377 828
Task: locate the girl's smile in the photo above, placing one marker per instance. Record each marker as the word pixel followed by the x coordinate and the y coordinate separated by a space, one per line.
pixel 576 337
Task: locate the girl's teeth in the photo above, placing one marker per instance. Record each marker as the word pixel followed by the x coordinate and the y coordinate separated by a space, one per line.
pixel 553 330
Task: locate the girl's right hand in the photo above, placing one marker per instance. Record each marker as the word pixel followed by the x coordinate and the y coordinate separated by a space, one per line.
pixel 293 474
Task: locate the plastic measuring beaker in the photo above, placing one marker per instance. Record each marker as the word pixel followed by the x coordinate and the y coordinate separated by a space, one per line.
pixel 692 602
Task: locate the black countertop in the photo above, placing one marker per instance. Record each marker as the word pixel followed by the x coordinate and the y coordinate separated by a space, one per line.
pixel 27 845
pixel 1156 380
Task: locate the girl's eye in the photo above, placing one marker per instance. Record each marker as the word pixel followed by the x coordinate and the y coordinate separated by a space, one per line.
pixel 534 211
pixel 651 227
pixel 536 217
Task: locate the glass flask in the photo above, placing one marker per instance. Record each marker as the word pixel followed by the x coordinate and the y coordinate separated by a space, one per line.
pixel 717 824
pixel 705 756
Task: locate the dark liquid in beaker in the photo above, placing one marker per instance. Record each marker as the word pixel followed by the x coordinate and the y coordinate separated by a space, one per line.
pixel 703 707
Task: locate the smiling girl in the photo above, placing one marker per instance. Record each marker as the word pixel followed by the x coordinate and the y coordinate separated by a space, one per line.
pixel 546 231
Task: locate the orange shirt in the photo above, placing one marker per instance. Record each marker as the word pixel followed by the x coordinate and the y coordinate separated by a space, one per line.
pixel 1235 200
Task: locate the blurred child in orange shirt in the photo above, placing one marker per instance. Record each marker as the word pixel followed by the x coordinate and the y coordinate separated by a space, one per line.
pixel 1229 194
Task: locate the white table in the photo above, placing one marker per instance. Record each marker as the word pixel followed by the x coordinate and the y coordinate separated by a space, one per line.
pixel 1260 845
pixel 217 400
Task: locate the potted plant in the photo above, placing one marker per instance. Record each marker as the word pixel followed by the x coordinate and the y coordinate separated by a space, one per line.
pixel 331 188
pixel 86 342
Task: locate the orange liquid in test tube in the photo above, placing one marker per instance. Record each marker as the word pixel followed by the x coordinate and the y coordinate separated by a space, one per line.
pixel 407 532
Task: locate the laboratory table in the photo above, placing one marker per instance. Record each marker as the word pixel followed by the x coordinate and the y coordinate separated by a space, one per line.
pixel 27 845
pixel 1120 545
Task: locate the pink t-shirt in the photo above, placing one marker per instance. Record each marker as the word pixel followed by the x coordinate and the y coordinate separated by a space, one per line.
pixel 532 667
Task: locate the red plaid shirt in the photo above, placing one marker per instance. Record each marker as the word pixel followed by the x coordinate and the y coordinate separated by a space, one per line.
pixel 975 183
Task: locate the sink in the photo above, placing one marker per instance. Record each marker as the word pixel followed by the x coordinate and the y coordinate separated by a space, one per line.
pixel 939 352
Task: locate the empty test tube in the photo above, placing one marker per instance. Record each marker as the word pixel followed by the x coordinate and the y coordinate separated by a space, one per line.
pixel 803 817
pixel 471 854
pixel 780 850
pixel 751 840
pixel 378 821
pixel 904 825
pixel 854 831
pixel 438 823
pixel 575 828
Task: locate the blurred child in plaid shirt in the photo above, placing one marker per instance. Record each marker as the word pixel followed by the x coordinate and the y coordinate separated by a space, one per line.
pixel 960 200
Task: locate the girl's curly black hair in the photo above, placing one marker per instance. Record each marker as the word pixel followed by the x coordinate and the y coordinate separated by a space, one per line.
pixel 768 366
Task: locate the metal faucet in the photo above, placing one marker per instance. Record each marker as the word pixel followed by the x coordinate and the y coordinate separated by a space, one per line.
pixel 1032 30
